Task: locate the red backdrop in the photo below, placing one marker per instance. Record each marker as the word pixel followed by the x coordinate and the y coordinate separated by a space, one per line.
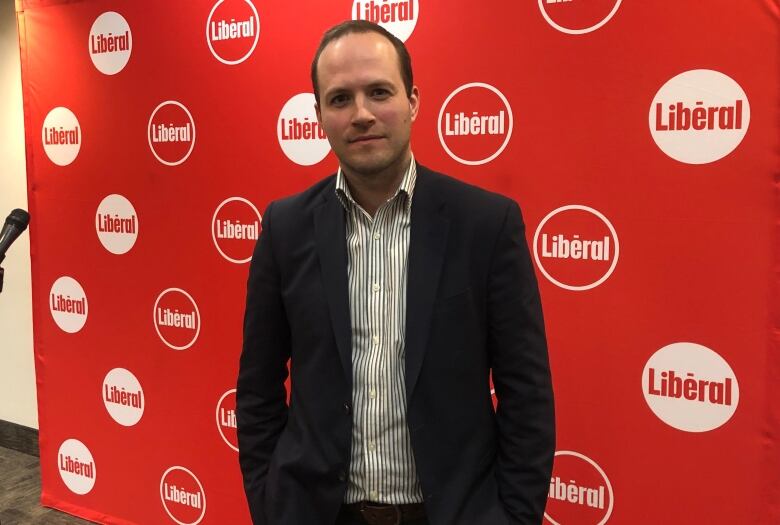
pixel 640 139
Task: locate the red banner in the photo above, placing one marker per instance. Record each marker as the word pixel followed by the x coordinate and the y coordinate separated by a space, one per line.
pixel 640 139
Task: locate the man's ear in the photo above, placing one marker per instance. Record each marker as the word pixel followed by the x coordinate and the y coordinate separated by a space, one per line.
pixel 318 112
pixel 414 103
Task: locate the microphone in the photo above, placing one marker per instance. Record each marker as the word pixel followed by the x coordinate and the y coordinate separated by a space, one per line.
pixel 14 225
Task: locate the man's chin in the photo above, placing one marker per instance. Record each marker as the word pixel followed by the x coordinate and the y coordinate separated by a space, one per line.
pixel 367 167
pixel 371 165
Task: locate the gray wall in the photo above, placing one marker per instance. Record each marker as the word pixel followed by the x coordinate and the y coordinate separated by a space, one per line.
pixel 17 373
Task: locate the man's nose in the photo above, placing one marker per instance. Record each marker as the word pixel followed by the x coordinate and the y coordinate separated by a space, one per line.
pixel 363 115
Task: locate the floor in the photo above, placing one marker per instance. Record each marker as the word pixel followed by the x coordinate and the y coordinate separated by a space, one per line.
pixel 20 492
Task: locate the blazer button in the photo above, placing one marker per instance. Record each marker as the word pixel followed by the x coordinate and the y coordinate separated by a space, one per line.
pixel 347 408
pixel 342 476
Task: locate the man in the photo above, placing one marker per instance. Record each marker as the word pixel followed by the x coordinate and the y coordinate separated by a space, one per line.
pixel 394 291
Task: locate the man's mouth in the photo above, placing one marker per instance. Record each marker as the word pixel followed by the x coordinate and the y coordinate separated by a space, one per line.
pixel 364 138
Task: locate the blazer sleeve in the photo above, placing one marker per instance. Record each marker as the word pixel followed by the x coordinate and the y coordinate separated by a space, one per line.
pixel 521 376
pixel 261 408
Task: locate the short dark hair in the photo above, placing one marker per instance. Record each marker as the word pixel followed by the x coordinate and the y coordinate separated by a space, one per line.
pixel 363 26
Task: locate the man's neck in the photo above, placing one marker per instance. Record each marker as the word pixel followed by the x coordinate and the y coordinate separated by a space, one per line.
pixel 371 191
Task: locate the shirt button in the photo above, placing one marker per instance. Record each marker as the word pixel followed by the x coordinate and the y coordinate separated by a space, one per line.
pixel 347 408
pixel 374 496
pixel 371 446
pixel 376 236
pixel 375 287
pixel 375 339
pixel 372 393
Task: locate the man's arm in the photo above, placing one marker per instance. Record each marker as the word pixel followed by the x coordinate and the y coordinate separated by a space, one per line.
pixel 521 376
pixel 261 408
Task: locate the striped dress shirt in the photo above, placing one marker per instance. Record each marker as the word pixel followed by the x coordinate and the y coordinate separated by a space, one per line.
pixel 382 467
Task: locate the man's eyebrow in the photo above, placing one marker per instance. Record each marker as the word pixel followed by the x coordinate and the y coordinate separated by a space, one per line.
pixel 380 83
pixel 342 89
pixel 335 91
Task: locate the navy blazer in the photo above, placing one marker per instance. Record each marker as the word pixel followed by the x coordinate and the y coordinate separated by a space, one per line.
pixel 472 306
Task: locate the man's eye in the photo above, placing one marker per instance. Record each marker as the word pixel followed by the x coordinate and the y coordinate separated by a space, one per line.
pixel 380 93
pixel 339 100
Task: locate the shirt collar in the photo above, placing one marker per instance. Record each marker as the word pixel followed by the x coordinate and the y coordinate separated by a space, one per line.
pixel 406 188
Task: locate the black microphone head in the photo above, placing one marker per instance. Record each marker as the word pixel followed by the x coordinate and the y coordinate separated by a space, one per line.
pixel 14 225
pixel 19 218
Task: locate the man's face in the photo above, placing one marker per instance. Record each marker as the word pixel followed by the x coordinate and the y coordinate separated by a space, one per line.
pixel 364 108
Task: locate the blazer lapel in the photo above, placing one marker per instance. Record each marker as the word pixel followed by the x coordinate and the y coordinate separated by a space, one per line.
pixel 427 243
pixel 331 241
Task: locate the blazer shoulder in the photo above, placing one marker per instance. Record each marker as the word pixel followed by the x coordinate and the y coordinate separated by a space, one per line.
pixel 465 196
pixel 299 204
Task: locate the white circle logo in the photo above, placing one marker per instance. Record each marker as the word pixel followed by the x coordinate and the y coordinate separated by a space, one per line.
pixel 123 397
pixel 116 224
pixel 475 123
pixel 235 228
pixel 690 387
pixel 397 16
pixel 577 17
pixel 576 247
pixel 68 304
pixel 232 30
pixel 76 466
pixel 110 43
pixel 176 318
pixel 300 135
pixel 580 491
pixel 226 418
pixel 699 116
pixel 182 495
pixel 61 136
pixel 171 133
